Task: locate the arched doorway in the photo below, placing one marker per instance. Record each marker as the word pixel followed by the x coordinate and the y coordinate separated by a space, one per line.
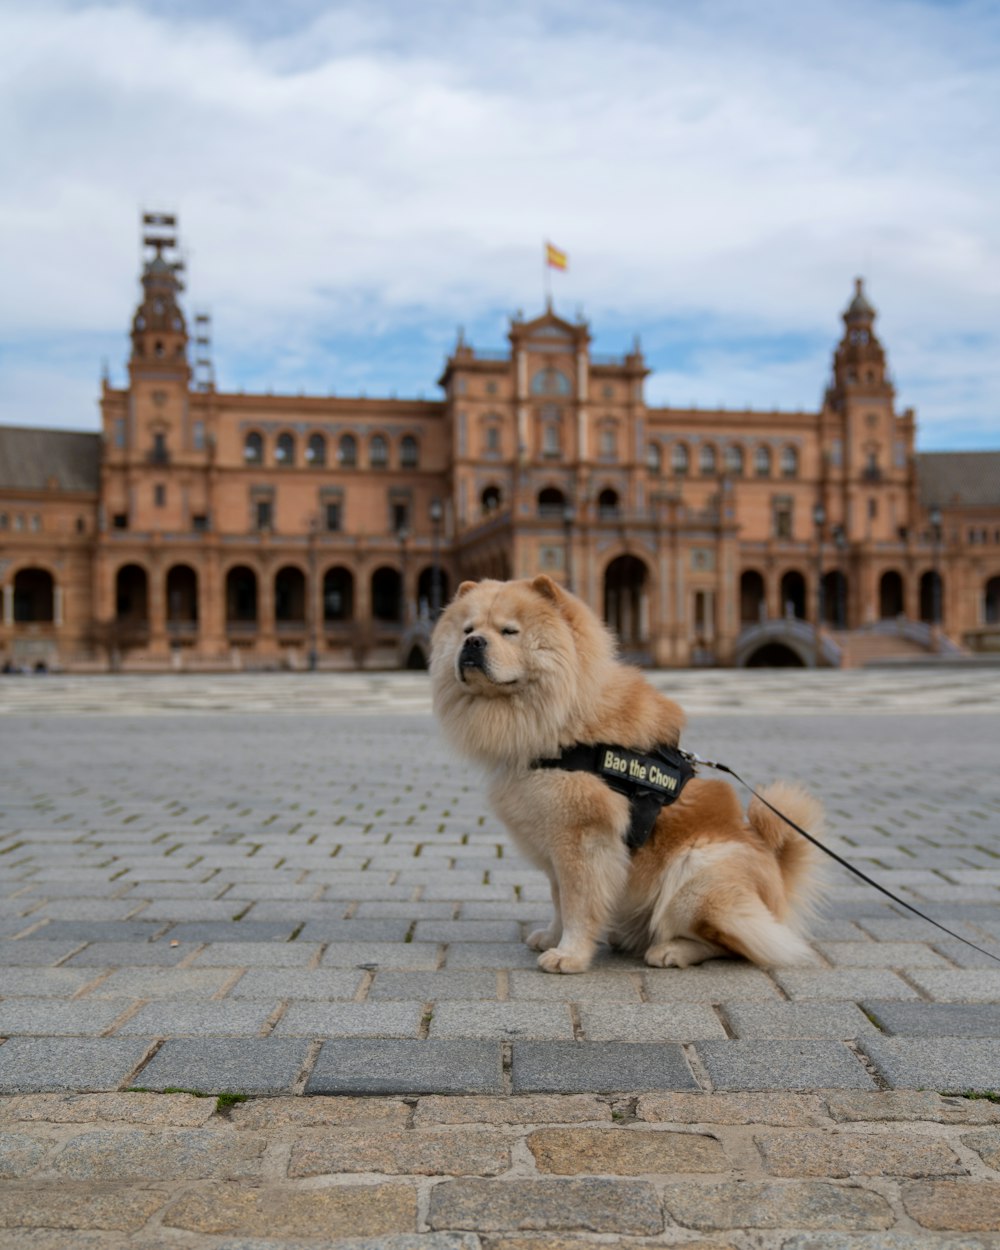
pixel 835 599
pixel 753 602
pixel 425 591
pixel 289 596
pixel 890 596
pixel 387 595
pixel 551 502
pixel 182 597
pixel 991 602
pixel 775 655
pixel 626 599
pixel 132 596
pixel 931 598
pixel 241 596
pixel 793 595
pixel 338 594
pixel 34 596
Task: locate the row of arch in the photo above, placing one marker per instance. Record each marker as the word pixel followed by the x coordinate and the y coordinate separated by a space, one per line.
pixel 345 454
pixel 732 460
pixel 551 501
pixel 836 597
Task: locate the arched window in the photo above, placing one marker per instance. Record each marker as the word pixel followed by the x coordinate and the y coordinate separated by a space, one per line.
pixel 347 451
pixel 253 448
pixel 609 441
pixel 409 452
pixel 387 595
pixel 607 503
pixel 34 595
pixel 550 440
pixel 551 502
pixel 679 459
pixel 991 602
pixel 752 597
pixel 378 452
pixel 789 462
pixel 706 460
pixel 734 460
pixel 491 439
pixel 762 462
pixel 241 596
pixel 316 450
pixel 284 449
pixel 550 381
pixel 654 458
pixel 491 499
pixel 338 594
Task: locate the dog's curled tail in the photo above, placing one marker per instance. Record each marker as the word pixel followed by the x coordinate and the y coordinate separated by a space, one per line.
pixel 798 859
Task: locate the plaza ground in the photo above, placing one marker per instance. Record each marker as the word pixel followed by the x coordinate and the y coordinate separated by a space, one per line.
pixel 284 887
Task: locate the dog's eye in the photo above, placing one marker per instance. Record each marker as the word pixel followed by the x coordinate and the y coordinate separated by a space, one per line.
pixel 510 630
pixel 467 630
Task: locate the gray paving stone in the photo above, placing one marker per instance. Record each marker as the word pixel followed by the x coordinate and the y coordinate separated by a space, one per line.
pixel 490 955
pixel 131 954
pixel 238 931
pixel 267 1065
pixel 186 1018
pixel 648 1022
pixel 467 931
pixel 505 1021
pixel 782 1064
pixel 842 983
pixel 44 982
pixel 804 1019
pixel 30 1065
pixel 257 955
pixel 381 1066
pixel 936 1019
pixel 428 986
pixel 99 931
pixel 43 1017
pixel 717 981
pixel 423 955
pixel 320 984
pixel 422 910
pixel 389 929
pixel 944 1064
pixel 598 1067
pixel 958 986
pixel 173 983
pixel 583 987
pixel 29 953
pixel 167 910
pixel 881 955
pixel 314 1019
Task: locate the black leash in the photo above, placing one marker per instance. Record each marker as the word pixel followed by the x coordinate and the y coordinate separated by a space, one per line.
pixel 692 758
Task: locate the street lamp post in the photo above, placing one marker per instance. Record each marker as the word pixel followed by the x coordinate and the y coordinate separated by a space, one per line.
pixel 935 520
pixel 436 513
pixel 840 542
pixel 403 533
pixel 314 597
pixel 568 517
pixel 819 520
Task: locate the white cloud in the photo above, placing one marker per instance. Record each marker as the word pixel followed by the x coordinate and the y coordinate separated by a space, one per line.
pixel 399 165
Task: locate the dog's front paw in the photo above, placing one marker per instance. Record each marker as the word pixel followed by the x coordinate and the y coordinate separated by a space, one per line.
pixel 556 960
pixel 543 940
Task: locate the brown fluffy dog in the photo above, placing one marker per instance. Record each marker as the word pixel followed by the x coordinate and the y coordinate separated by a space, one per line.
pixel 520 670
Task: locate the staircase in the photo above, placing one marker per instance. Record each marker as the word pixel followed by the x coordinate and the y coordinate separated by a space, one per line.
pixel 892 642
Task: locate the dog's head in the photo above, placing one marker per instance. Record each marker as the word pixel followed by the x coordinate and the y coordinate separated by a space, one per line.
pixel 510 662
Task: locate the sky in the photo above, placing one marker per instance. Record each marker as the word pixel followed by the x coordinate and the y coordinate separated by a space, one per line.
pixel 356 181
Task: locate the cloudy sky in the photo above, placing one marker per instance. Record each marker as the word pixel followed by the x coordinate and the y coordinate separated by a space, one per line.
pixel 356 180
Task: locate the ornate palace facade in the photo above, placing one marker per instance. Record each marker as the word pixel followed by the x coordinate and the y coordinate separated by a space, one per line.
pixel 210 529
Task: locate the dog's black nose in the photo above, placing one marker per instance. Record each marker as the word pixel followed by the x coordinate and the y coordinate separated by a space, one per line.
pixel 473 652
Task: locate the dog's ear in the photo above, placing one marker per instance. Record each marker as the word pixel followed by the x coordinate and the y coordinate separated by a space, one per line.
pixel 465 588
pixel 547 588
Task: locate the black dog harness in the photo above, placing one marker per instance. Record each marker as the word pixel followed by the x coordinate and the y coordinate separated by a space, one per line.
pixel 649 781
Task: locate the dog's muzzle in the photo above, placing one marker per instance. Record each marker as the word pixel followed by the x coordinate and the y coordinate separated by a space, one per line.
pixel 473 653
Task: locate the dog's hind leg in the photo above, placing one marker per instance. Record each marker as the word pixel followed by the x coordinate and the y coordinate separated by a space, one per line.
pixel 682 952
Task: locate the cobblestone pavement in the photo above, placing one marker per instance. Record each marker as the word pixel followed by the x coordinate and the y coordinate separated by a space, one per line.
pixel 242 886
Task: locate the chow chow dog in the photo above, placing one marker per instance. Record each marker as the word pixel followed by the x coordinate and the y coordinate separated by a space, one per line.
pixel 522 670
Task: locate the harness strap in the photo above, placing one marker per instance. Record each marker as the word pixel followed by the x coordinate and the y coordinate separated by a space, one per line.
pixel 724 768
pixel 648 780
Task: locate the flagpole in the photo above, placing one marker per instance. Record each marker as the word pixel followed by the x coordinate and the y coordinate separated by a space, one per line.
pixel 546 275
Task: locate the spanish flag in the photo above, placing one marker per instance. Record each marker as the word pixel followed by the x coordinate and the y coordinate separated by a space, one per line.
pixel 554 258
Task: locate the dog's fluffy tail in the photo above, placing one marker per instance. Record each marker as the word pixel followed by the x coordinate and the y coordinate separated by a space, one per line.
pixel 798 859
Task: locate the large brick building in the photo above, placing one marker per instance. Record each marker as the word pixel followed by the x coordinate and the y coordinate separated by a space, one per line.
pixel 211 529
